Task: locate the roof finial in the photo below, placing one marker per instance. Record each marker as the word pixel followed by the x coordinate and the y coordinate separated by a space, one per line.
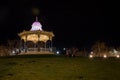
pixel 36 18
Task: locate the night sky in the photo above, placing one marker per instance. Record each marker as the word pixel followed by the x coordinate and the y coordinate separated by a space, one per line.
pixel 74 23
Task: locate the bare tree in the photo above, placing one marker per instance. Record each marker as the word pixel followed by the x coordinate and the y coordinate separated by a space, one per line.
pixel 4 50
pixel 99 48
pixel 13 44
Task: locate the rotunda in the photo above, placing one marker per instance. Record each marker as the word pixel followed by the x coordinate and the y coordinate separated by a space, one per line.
pixel 37 40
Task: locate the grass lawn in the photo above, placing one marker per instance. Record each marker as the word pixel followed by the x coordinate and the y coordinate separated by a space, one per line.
pixel 41 67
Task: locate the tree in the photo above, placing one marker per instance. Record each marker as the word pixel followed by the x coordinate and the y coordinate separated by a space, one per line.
pixel 13 44
pixel 4 50
pixel 99 48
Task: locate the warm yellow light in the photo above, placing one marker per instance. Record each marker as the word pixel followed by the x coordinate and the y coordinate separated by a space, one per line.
pixel 44 38
pixel 105 56
pixel 36 36
pixel 117 56
pixel 91 56
pixel 23 37
pixel 32 37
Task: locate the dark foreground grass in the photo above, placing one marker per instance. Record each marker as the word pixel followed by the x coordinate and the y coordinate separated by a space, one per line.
pixel 51 67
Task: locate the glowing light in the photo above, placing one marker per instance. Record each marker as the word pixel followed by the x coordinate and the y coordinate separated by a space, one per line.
pixel 32 37
pixel 44 38
pixel 117 56
pixel 58 52
pixel 36 26
pixel 13 52
pixel 91 56
pixel 23 37
pixel 64 49
pixel 35 38
pixel 105 56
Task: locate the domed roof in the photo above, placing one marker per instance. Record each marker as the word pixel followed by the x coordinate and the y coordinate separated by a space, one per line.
pixel 36 26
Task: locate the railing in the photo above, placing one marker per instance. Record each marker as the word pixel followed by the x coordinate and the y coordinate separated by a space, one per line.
pixel 41 49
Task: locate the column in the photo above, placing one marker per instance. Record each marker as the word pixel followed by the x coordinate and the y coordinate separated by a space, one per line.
pixel 38 42
pixel 51 44
pixel 26 43
pixel 45 45
pixel 34 45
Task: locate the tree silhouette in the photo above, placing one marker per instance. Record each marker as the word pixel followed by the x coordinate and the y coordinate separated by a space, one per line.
pixel 99 48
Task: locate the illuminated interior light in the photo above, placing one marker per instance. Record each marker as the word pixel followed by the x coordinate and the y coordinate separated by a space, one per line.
pixel 44 38
pixel 32 37
pixel 23 37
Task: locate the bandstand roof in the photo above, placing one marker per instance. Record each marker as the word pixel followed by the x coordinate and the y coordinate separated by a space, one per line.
pixel 36 33
pixel 36 26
